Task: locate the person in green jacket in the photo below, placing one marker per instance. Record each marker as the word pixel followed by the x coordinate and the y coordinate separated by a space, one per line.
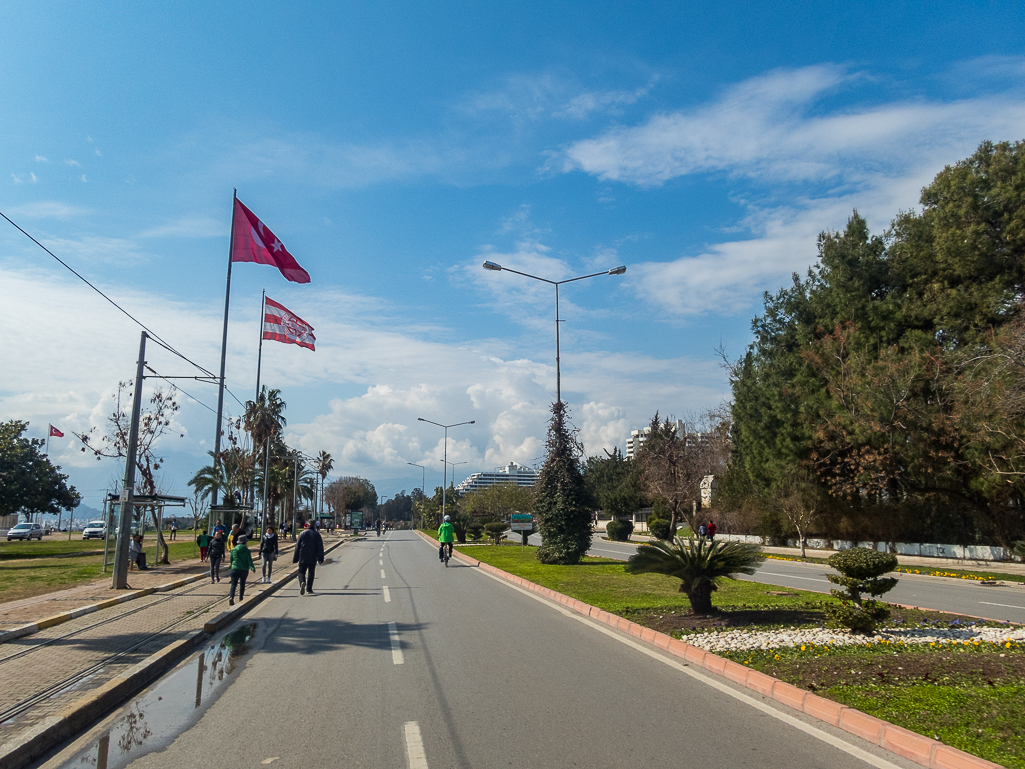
pixel 203 540
pixel 446 536
pixel 241 565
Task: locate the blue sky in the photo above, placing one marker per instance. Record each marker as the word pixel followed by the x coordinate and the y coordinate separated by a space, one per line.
pixel 393 147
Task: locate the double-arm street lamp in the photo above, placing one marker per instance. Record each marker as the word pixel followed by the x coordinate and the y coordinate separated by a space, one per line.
pixel 444 479
pixel 558 373
pixel 423 483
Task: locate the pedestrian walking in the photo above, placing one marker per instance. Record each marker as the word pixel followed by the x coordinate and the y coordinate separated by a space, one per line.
pixel 702 531
pixel 220 527
pixel 241 565
pixel 174 530
pixel 308 552
pixel 236 531
pixel 268 552
pixel 215 554
pixel 711 531
pixel 203 540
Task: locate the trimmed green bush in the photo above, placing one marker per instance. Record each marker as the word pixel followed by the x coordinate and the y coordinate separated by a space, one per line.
pixel 660 528
pixel 619 531
pixel 476 531
pixel 861 571
pixel 495 530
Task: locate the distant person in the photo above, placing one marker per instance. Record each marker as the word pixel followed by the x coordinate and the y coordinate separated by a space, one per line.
pixel 711 531
pixel 216 553
pixel 268 552
pixel 136 553
pixel 241 565
pixel 446 536
pixel 702 531
pixel 174 530
pixel 203 540
pixel 236 531
pixel 220 527
pixel 308 552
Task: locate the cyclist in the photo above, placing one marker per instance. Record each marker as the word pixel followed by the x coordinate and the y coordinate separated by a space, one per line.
pixel 446 535
pixel 377 525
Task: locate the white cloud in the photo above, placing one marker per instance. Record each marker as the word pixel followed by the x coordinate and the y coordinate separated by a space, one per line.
pixel 73 163
pixel 48 209
pixel 83 178
pixel 189 227
pixel 17 179
pixel 806 168
pixel 41 159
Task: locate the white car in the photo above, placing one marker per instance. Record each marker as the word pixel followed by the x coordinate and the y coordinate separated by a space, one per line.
pixel 94 529
pixel 25 531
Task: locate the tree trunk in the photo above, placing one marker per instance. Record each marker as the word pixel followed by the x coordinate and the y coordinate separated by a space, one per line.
pixel 701 598
pixel 164 556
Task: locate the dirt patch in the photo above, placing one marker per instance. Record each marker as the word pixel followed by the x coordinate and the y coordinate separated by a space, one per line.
pixel 687 622
pixel 902 668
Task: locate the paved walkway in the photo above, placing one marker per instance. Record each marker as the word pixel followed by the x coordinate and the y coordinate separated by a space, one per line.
pixel 44 672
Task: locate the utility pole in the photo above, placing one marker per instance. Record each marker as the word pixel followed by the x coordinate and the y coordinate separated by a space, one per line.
pixel 120 580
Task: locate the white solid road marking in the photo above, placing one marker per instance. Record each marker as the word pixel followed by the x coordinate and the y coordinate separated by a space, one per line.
pixel 387 595
pixel 382 574
pixel 792 576
pixel 1005 605
pixel 396 649
pixel 836 742
pixel 414 746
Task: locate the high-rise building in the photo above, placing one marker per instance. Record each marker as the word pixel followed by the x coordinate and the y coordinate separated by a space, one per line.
pixel 513 472
pixel 638 437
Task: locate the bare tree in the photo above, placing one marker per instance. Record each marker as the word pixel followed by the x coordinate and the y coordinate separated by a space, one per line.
pixel 799 498
pixel 154 422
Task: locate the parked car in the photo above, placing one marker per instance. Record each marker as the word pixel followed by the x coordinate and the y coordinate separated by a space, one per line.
pixel 94 529
pixel 25 531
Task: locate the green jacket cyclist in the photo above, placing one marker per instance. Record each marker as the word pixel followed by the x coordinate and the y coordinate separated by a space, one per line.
pixel 446 536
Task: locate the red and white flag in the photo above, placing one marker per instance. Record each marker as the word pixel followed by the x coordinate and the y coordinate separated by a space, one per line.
pixel 282 325
pixel 254 242
pixel 55 433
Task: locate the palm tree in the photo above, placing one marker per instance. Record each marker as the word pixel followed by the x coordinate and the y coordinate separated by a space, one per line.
pixel 324 465
pixel 698 564
pixel 209 479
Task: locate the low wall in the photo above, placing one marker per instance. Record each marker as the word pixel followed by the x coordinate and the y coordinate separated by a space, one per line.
pixel 926 550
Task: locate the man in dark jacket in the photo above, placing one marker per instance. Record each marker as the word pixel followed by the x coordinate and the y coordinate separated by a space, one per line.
pixel 215 554
pixel 309 551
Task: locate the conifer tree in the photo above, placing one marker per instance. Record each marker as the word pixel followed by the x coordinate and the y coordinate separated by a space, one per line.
pixel 560 498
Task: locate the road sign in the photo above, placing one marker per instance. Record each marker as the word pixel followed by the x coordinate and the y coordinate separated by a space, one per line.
pixel 521 522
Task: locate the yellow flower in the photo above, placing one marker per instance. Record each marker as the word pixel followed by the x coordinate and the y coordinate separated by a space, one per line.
pixel 803 647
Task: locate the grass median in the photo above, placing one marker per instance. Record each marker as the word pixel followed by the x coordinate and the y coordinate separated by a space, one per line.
pixel 966 695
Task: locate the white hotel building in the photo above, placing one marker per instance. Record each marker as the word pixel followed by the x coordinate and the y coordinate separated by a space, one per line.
pixel 513 472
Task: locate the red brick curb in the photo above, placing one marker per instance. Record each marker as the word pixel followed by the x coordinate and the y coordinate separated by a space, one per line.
pixel 915 747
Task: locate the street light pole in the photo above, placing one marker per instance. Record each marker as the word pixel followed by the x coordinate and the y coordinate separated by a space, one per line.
pixel 423 484
pixel 558 367
pixel 444 477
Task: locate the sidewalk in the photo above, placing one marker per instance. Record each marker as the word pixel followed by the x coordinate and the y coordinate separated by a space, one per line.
pixel 57 666
pixel 26 610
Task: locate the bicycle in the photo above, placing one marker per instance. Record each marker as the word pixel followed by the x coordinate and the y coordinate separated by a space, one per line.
pixel 446 552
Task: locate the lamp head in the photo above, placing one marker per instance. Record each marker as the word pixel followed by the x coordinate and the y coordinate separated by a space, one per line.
pixel 492 266
pixel 618 270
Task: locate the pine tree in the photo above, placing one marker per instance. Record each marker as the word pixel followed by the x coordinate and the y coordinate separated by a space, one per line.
pixel 560 501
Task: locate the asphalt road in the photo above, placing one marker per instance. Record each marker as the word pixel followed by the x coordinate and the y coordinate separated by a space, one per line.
pixel 398 661
pixel 940 593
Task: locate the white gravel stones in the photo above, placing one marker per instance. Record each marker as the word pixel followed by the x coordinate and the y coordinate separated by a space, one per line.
pixel 743 640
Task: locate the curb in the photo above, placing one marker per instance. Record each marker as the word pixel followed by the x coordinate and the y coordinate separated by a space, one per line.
pixel 915 747
pixel 51 732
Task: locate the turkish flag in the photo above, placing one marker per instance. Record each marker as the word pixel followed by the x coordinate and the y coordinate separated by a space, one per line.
pixel 55 433
pixel 254 242
pixel 282 325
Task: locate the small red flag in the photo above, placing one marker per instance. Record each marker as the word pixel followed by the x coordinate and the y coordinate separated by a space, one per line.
pixel 55 433
pixel 254 242
pixel 282 325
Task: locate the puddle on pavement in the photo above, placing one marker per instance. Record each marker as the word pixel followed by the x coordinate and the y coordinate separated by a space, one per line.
pixel 151 722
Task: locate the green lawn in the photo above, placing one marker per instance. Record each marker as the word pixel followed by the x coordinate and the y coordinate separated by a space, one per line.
pixel 604 583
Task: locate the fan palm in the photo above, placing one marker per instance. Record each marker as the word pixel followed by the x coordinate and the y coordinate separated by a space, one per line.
pixel 698 564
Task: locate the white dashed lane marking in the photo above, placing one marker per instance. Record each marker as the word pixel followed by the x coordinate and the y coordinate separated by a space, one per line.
pixel 387 594
pixel 396 648
pixel 382 573
pixel 415 755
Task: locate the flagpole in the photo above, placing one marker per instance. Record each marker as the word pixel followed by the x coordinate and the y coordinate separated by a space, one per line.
pixel 224 347
pixel 259 361
pixel 49 429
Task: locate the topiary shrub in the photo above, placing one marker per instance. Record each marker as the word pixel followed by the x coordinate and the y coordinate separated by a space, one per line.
pixel 1019 549
pixel 619 531
pixel 496 530
pixel 861 571
pixel 475 530
pixel 660 528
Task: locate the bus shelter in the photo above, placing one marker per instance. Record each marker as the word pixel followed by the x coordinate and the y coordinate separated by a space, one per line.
pixel 112 517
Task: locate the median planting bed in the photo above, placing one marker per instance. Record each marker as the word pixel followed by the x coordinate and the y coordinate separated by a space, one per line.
pixel 962 685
